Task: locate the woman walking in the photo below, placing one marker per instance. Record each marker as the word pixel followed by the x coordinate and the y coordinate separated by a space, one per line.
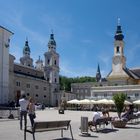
pixel 31 111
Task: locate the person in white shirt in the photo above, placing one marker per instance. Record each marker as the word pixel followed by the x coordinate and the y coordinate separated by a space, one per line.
pixel 23 102
pixel 96 115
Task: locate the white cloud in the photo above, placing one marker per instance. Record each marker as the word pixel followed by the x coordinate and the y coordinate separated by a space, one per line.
pixel 16 51
pixel 16 20
pixel 69 71
pixel 61 25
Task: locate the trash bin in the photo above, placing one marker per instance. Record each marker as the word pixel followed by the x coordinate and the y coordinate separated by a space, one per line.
pixel 84 126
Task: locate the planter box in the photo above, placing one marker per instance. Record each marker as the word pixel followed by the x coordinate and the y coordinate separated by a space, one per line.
pixel 119 123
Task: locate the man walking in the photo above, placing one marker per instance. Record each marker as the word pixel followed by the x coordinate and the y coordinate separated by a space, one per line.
pixel 23 102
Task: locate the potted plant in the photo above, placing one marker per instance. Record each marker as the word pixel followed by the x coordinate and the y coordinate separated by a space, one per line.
pixel 119 102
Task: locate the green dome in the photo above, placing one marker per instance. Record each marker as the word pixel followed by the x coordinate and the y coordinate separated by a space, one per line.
pixel 26 49
pixel 52 41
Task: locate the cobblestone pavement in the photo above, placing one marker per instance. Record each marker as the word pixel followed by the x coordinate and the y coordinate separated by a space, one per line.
pixel 9 129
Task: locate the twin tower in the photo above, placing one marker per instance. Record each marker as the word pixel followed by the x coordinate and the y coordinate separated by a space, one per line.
pixel 47 71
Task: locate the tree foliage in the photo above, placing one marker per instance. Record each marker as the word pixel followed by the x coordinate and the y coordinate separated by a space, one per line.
pixel 65 82
pixel 119 102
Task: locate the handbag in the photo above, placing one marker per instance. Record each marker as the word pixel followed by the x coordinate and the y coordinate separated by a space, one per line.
pixel 34 116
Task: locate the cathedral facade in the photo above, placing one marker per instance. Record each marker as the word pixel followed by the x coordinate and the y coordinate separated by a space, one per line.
pixel 40 81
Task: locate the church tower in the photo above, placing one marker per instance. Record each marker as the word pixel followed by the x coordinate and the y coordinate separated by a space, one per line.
pixel 118 74
pixel 4 64
pixel 119 59
pixel 39 64
pixel 51 68
pixel 98 74
pixel 26 60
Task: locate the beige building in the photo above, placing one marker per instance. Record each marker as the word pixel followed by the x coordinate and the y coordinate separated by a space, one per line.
pixel 120 79
pixel 40 81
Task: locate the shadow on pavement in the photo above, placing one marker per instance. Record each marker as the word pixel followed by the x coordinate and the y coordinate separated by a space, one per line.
pixel 75 139
pixel 107 130
pixel 133 123
pixel 63 139
pixel 131 127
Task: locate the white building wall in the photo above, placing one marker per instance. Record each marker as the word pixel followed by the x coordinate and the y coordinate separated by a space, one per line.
pixel 4 64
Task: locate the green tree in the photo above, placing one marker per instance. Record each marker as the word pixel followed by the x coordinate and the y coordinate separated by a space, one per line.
pixel 119 102
pixel 65 82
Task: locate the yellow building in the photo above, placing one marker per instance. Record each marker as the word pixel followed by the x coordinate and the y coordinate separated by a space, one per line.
pixel 120 79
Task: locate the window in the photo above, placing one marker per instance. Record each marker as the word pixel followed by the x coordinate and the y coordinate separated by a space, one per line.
pixel 44 96
pixel 45 88
pixel 118 49
pixel 18 84
pixel 55 80
pixel 105 94
pixel 36 95
pixel 37 87
pixel 48 61
pixel 48 79
pixel 28 94
pixel 54 62
pixel 95 94
pixel 136 95
pixel 28 85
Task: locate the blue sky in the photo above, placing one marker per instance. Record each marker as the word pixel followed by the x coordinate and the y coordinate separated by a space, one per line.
pixel 84 31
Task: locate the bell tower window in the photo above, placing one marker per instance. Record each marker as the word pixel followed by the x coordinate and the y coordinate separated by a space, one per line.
pixel 55 80
pixel 55 62
pixel 48 61
pixel 118 49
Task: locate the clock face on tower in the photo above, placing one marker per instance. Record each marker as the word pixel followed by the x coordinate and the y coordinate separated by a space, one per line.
pixel 116 60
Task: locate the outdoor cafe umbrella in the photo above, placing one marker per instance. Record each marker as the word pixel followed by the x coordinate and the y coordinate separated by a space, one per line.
pixel 93 102
pixel 74 101
pixel 127 102
pixel 137 102
pixel 111 102
pixel 85 102
pixel 103 101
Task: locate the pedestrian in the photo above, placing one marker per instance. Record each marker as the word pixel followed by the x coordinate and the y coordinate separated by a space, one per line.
pixel 31 111
pixel 23 102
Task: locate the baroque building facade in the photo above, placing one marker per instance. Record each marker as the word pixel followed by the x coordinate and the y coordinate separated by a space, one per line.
pixel 40 81
pixel 120 79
